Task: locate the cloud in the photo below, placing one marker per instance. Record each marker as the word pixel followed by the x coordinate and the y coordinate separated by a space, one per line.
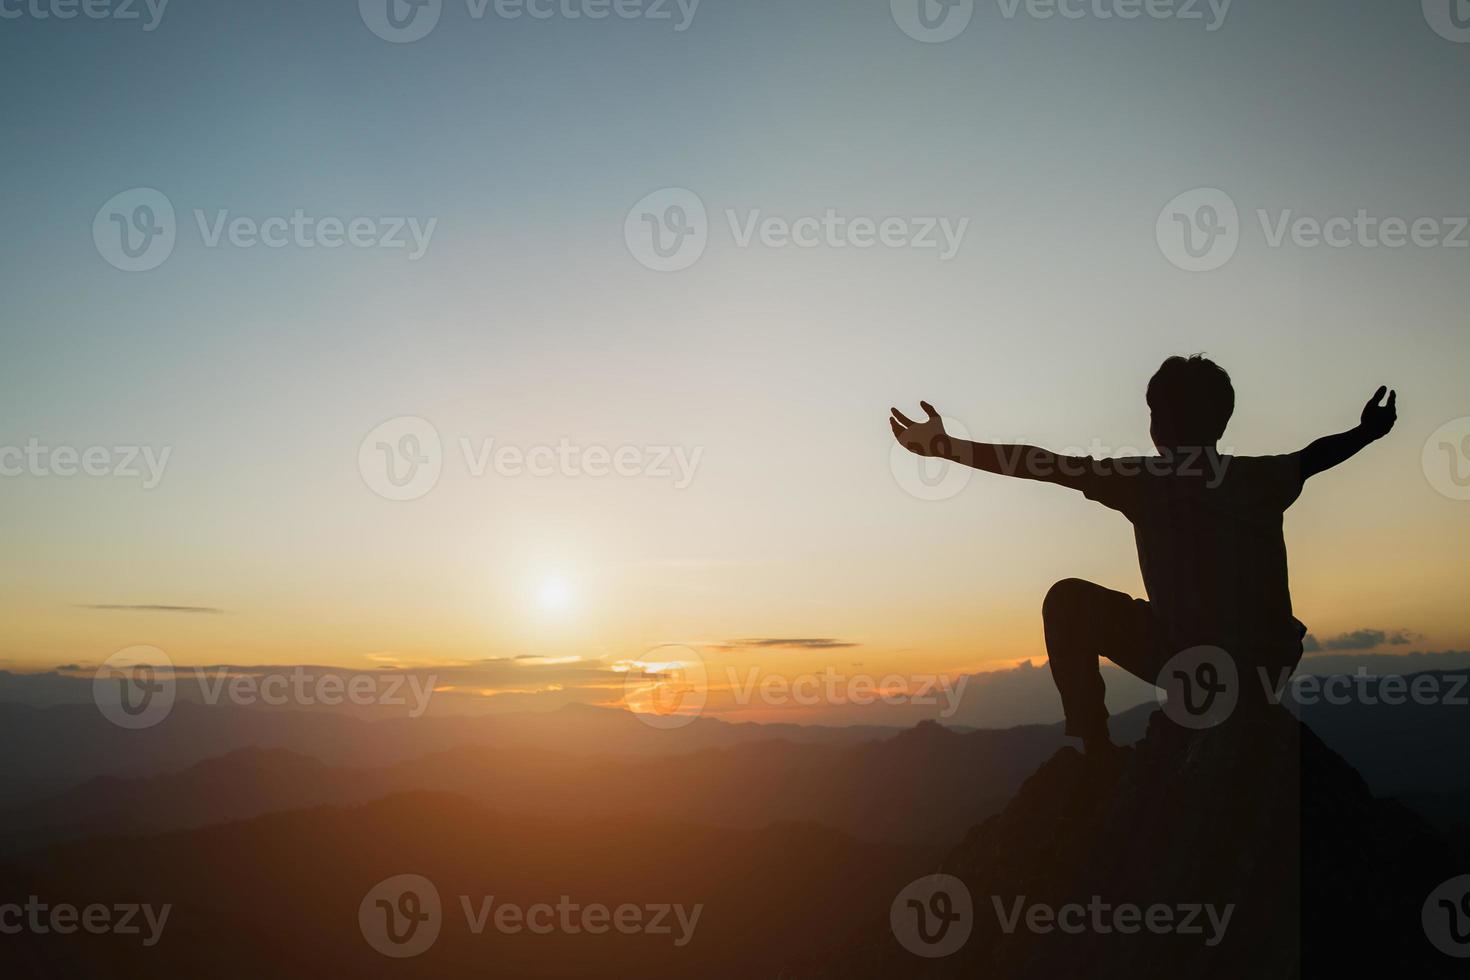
pixel 1014 695
pixel 150 607
pixel 1384 664
pixel 1364 639
pixel 795 643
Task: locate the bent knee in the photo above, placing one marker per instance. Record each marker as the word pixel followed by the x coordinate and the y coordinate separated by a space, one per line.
pixel 1066 598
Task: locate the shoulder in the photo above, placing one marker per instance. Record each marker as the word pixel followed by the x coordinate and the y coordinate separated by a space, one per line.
pixel 1114 481
pixel 1107 468
pixel 1263 465
pixel 1277 478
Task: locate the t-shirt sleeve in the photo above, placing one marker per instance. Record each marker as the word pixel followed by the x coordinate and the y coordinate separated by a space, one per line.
pixel 1115 483
pixel 1278 479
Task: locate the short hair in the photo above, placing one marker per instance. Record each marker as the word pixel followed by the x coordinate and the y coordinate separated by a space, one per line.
pixel 1193 399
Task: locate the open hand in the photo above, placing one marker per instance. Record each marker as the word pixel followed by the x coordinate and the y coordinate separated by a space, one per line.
pixel 1378 419
pixel 926 438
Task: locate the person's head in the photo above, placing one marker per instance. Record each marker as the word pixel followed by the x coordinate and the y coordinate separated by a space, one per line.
pixel 1190 399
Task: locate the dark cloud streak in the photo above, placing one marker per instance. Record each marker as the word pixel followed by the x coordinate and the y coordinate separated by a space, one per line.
pixel 1364 639
pixel 798 643
pixel 150 607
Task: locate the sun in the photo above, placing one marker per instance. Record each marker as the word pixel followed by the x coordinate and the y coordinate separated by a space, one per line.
pixel 554 595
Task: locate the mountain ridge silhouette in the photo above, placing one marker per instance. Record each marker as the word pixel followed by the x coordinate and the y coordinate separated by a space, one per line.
pixel 1258 814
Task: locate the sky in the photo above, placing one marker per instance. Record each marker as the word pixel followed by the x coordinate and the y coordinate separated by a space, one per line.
pixel 758 513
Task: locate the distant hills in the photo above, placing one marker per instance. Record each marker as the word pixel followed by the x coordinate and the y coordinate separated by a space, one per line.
pixel 55 747
pixel 279 895
pixel 896 788
pixel 265 829
pixel 206 765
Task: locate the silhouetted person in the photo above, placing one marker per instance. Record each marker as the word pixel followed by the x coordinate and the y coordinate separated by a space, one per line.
pixel 1208 529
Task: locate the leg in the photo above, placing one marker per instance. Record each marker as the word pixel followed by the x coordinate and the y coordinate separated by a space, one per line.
pixel 1084 621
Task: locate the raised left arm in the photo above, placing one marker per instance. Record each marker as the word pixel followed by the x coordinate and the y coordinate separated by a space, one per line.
pixel 1374 423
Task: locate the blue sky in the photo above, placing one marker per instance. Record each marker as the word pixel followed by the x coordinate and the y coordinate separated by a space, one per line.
pixel 527 319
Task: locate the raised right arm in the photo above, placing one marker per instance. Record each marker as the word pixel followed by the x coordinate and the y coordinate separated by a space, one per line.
pixel 928 438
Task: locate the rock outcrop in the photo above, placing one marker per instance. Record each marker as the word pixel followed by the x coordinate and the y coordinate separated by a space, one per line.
pixel 1250 850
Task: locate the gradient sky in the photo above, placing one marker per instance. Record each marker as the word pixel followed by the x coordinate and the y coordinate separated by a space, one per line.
pixel 528 321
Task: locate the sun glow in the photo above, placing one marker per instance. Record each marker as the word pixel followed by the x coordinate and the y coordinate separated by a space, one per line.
pixel 554 595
